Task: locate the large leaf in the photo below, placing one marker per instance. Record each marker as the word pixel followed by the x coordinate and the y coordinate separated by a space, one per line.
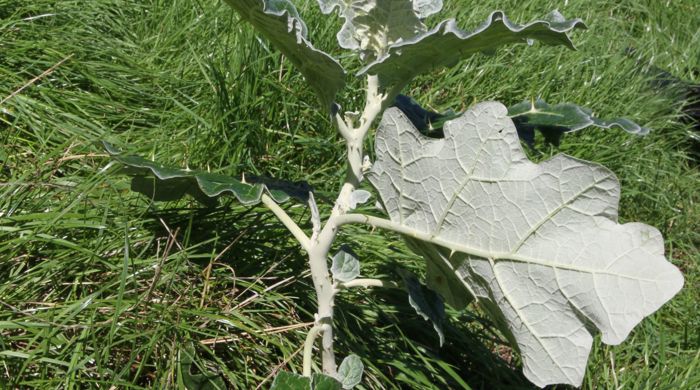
pixel 280 23
pixel 371 26
pixel 162 183
pixel 446 44
pixel 324 382
pixel 555 120
pixel 538 245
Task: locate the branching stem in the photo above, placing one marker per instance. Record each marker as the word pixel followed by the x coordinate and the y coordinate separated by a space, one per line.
pixel 318 247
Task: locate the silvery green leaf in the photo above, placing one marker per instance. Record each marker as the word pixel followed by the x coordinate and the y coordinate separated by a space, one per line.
pixel 439 276
pixel 324 382
pixel 358 197
pixel 446 44
pixel 345 266
pixel 378 205
pixel 538 245
pixel 427 303
pixel 162 183
pixel 623 123
pixel 551 120
pixel 425 8
pixel 371 26
pixel 290 381
pixel 279 22
pixel 350 371
pixel 555 120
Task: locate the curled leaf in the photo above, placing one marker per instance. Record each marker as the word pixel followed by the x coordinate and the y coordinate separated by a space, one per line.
pixel 371 26
pixel 447 44
pixel 555 120
pixel 280 23
pixel 162 183
pixel 551 120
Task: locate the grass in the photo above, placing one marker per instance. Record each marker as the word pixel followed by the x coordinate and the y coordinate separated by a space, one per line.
pixel 100 288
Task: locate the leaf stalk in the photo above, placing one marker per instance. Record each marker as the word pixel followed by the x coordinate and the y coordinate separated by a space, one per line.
pixel 287 221
pixel 366 283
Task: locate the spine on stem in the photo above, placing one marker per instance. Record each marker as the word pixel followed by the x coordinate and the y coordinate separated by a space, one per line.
pixel 322 239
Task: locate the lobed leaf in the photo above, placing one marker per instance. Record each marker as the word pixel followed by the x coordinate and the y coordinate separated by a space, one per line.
pixel 538 245
pixel 555 120
pixel 280 23
pixel 162 183
pixel 446 44
pixel 371 26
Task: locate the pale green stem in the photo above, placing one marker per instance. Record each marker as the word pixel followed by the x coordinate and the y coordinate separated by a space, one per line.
pixel 287 221
pixel 322 240
pixel 428 237
pixel 308 348
pixel 379 223
pixel 367 283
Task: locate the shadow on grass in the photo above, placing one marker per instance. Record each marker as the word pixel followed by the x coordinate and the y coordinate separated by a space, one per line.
pixel 400 349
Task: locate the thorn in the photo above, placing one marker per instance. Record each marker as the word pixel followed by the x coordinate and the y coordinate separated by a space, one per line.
pixel 103 170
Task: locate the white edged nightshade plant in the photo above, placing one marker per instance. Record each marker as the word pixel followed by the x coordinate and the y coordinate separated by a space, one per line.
pixel 537 246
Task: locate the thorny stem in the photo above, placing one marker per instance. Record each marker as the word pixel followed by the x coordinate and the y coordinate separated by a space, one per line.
pixel 320 244
pixel 323 236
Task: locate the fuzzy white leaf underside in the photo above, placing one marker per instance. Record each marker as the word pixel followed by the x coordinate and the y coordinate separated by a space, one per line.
pixel 538 245
pixel 371 26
